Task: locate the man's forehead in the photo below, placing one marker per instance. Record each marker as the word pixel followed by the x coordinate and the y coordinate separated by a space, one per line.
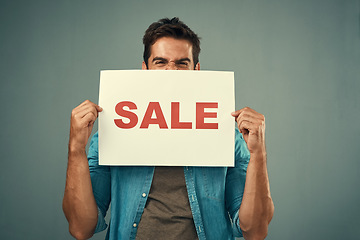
pixel 172 43
pixel 170 47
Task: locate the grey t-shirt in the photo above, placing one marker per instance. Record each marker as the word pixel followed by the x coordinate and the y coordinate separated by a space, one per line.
pixel 167 214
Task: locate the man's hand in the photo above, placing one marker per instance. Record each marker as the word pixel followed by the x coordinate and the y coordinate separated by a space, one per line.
pixel 252 126
pixel 81 124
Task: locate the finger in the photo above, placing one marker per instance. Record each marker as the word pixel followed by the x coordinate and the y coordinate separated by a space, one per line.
pixel 87 101
pixel 88 119
pixel 245 117
pixel 85 111
pixel 236 113
pixel 254 123
pixel 248 113
pixel 98 108
pixel 85 104
pixel 244 126
pixel 94 106
pixel 245 109
pixel 251 116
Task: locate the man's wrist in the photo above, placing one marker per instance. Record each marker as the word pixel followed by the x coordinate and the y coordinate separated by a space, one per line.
pixel 259 154
pixel 75 149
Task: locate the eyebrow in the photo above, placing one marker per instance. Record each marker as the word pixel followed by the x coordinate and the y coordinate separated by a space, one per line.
pixel 183 59
pixel 158 58
pixel 176 61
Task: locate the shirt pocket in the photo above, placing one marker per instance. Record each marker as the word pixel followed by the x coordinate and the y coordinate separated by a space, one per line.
pixel 213 182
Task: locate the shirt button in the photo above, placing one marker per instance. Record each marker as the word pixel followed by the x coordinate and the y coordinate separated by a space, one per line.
pixel 144 194
pixel 134 225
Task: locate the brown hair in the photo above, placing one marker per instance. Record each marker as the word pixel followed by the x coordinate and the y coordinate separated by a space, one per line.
pixel 170 28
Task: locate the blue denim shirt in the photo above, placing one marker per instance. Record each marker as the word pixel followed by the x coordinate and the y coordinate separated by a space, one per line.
pixel 215 194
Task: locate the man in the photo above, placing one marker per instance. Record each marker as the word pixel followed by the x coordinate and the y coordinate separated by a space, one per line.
pixel 169 202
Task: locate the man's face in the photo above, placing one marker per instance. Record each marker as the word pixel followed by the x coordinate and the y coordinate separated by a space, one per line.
pixel 168 53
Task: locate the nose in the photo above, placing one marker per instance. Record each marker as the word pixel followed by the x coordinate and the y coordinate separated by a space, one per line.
pixel 171 66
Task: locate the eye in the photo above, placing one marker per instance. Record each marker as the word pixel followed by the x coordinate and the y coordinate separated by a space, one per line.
pixel 159 62
pixel 183 64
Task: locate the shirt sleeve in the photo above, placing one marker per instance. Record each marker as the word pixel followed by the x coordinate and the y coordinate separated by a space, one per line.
pixel 235 181
pixel 100 180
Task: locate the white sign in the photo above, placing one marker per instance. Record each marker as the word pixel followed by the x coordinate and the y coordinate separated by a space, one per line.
pixel 166 118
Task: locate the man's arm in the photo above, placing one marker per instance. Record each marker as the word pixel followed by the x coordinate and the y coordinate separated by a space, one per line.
pixel 257 207
pixel 79 203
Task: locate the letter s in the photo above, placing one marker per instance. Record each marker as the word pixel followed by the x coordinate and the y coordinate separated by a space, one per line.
pixel 119 109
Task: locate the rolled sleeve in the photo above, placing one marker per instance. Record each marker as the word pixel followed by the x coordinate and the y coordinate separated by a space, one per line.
pixel 235 181
pixel 100 180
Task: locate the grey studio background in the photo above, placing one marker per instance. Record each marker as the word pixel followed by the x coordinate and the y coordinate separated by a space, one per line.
pixel 297 62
